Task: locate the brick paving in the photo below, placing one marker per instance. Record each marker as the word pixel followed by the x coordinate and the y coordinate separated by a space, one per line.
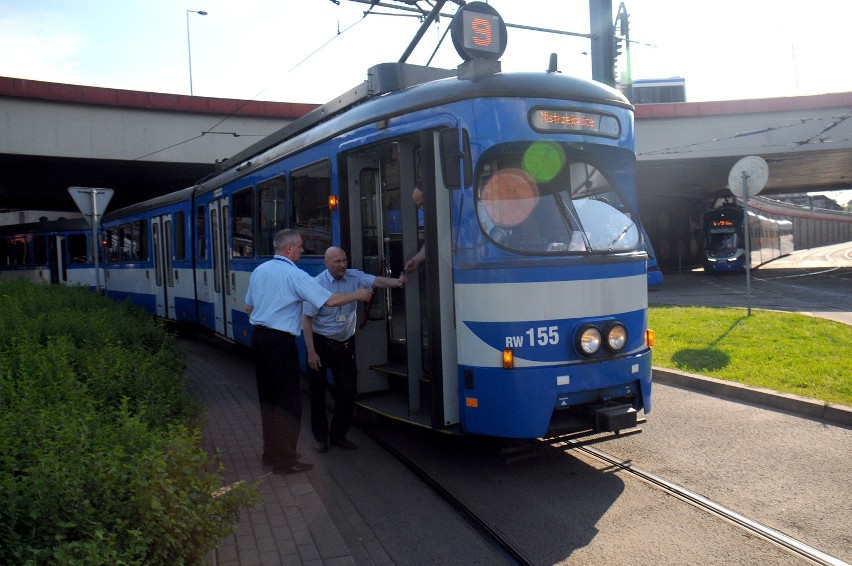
pixel 292 525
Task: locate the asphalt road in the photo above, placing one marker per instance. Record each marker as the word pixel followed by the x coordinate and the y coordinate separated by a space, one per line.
pixel 817 282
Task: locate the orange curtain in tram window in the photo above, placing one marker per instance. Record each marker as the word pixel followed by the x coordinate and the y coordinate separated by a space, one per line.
pixel 509 196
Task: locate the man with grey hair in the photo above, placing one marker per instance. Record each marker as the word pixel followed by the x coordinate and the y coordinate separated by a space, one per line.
pixel 277 291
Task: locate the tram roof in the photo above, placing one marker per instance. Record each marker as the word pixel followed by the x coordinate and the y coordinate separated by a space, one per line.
pixel 389 91
pixel 47 226
pixel 156 202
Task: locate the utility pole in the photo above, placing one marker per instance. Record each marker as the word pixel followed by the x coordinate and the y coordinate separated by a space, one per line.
pixel 603 41
pixel 622 30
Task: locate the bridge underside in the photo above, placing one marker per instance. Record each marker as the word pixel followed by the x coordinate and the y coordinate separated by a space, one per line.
pixel 704 177
pixel 41 182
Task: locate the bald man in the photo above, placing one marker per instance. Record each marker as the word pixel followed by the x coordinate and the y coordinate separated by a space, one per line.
pixel 330 343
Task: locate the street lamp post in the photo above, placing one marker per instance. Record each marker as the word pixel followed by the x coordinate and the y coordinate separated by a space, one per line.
pixel 188 44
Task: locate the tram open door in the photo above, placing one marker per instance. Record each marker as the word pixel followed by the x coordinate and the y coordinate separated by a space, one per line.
pixel 406 344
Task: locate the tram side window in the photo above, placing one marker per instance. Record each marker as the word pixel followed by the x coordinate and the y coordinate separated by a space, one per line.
pixel 139 241
pixel 127 242
pixel 13 251
pixel 20 255
pixel 40 250
pixel 271 204
pixel 180 235
pixel 78 248
pixel 310 214
pixel 243 224
pixel 5 252
pixel 201 227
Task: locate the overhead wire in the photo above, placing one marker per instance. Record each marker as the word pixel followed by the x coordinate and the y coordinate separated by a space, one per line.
pixel 836 121
pixel 253 98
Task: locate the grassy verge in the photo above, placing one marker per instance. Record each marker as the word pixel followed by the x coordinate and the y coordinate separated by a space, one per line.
pixel 786 352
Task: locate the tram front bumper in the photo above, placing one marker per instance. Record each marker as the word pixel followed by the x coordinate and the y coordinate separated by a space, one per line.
pixel 535 402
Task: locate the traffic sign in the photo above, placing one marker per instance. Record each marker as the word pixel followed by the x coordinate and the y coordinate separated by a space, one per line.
pixel 91 201
pixel 748 176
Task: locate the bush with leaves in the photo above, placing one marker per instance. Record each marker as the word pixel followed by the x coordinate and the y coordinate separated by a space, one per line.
pixel 100 450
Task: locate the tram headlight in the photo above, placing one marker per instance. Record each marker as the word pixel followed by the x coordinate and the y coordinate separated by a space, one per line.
pixel 588 340
pixel 616 337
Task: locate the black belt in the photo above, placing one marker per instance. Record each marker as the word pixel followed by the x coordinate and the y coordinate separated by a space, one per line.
pixel 335 343
pixel 257 327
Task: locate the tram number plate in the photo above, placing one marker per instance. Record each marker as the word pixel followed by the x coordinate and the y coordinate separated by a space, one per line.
pixel 540 336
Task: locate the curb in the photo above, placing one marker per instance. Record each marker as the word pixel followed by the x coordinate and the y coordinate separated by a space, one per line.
pixel 802 406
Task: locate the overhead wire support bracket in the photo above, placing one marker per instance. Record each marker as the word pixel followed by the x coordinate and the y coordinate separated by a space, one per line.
pixel 433 15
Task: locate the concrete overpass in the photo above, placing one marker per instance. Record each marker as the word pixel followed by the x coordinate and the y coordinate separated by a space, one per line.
pixel 145 144
pixel 685 152
pixel 687 147
pixel 140 144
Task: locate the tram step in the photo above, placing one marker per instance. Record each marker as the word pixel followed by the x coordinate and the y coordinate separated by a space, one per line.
pixel 391 369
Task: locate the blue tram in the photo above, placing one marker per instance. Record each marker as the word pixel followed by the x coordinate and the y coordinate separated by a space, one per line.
pixel 149 248
pixel 529 316
pixel 56 251
pixel 724 238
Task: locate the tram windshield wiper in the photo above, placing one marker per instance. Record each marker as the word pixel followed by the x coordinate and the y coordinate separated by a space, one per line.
pixel 620 235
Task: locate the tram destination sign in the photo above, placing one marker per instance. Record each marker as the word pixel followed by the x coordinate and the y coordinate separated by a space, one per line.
pixel 565 120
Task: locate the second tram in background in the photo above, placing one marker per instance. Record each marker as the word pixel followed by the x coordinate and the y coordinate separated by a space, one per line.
pixel 724 238
pixel 529 317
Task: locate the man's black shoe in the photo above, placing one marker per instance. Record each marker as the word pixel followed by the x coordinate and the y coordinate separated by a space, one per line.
pixel 296 468
pixel 269 460
pixel 320 447
pixel 345 444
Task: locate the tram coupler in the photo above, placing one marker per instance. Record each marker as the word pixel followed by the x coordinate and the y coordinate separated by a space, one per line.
pixel 615 418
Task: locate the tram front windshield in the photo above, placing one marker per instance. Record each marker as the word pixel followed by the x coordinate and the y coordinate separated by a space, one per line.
pixel 536 198
pixel 722 242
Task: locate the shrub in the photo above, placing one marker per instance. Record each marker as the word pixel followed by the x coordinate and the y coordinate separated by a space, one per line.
pixel 100 450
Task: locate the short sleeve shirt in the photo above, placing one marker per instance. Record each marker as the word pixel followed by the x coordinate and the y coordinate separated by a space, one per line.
pixel 338 323
pixel 278 290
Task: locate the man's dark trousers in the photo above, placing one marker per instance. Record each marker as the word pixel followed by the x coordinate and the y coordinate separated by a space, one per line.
pixel 339 357
pixel 277 376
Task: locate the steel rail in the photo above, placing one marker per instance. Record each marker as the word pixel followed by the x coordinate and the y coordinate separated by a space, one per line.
pixel 785 541
pixel 492 536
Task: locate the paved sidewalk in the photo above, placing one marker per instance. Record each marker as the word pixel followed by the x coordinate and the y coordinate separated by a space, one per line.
pixel 292 525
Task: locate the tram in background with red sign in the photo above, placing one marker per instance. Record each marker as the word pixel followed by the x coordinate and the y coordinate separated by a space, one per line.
pixel 528 317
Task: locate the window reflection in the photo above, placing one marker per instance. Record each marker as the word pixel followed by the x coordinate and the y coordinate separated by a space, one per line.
pixel 534 198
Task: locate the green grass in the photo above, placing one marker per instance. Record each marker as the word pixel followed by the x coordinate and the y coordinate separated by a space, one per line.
pixel 786 352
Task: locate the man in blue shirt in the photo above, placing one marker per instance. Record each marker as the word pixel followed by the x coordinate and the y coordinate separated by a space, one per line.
pixel 330 343
pixel 277 290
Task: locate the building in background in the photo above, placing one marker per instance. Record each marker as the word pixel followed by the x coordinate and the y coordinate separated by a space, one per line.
pixel 652 91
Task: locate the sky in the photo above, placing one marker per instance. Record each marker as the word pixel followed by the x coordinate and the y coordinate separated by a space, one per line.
pixel 313 50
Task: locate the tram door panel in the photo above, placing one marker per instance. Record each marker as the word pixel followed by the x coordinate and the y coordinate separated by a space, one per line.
pixel 383 234
pixel 56 259
pixel 219 216
pixel 368 254
pixel 164 281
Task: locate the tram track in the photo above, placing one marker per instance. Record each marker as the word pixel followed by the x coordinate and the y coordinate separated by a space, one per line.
pixel 511 553
pixel 495 539
pixel 765 532
pixel 784 288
